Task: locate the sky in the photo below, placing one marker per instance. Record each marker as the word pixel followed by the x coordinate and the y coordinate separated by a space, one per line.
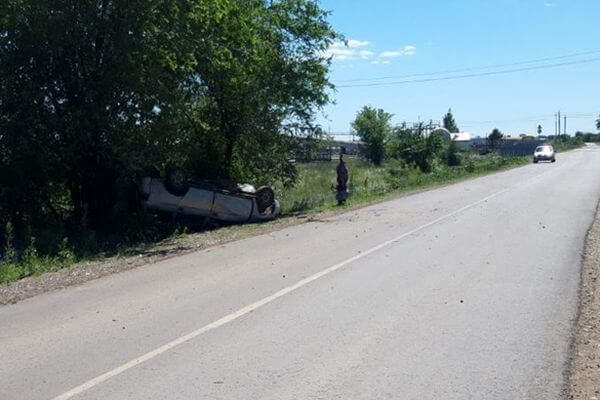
pixel 391 41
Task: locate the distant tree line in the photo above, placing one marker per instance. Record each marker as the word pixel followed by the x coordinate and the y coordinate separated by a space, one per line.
pixel 411 144
pixel 588 137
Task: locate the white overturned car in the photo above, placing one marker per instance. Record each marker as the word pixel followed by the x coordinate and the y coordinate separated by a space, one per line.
pixel 177 194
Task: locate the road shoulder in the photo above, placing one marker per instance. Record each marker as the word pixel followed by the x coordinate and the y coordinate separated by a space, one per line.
pixel 584 376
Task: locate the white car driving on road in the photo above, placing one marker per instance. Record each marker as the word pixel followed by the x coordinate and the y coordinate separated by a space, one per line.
pixel 544 153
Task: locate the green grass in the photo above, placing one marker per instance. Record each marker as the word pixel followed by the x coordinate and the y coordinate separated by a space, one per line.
pixel 568 143
pixel 312 193
pixel 313 190
pixel 31 263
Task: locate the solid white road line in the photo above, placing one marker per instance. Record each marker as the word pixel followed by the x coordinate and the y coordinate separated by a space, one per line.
pixel 250 308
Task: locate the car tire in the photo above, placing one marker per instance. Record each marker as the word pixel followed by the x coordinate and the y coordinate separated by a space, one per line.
pixel 265 197
pixel 177 182
pixel 535 161
pixel 554 160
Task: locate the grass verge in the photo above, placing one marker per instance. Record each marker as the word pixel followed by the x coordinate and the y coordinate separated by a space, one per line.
pixel 313 191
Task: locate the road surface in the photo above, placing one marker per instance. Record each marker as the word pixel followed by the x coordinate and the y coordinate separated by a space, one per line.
pixel 464 292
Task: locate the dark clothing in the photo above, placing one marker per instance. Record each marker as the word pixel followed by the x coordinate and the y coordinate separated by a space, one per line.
pixel 342 182
pixel 342 176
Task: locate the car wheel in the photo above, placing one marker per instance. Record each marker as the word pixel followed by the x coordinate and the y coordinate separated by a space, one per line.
pixel 535 161
pixel 265 197
pixel 554 160
pixel 177 182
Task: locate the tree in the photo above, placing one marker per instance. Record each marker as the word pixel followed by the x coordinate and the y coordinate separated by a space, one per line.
pixel 373 127
pixel 262 72
pixel 495 137
pixel 80 84
pixel 408 144
pixel 92 92
pixel 598 123
pixel 450 123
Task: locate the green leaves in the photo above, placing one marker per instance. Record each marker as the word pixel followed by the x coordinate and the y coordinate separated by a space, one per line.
pixel 450 123
pixel 260 75
pixel 94 92
pixel 410 145
pixel 373 127
pixel 495 136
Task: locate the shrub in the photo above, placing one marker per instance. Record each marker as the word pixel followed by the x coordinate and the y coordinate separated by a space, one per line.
pixel 451 157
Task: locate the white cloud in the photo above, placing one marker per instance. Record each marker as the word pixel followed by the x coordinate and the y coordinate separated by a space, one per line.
pixel 407 50
pixel 337 45
pixel 353 43
pixel 380 62
pixel 340 53
pixel 344 51
pixel 549 4
pixel 391 54
pixel 354 49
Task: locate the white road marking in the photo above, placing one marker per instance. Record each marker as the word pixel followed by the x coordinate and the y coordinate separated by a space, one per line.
pixel 250 308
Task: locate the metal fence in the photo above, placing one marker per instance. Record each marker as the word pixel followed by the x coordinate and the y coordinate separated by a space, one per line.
pixel 519 147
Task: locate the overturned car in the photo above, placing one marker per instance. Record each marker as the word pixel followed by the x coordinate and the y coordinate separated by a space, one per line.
pixel 234 203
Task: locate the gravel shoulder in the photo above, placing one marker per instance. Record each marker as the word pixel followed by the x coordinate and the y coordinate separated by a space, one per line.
pixel 584 379
pixel 86 271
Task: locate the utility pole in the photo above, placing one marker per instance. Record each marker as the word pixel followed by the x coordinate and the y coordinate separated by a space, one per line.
pixel 565 126
pixel 555 125
pixel 559 124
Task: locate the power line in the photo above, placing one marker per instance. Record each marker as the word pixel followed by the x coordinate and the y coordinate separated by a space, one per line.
pixel 524 119
pixel 537 60
pixel 445 78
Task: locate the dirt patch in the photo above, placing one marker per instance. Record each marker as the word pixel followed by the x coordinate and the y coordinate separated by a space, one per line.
pixel 584 379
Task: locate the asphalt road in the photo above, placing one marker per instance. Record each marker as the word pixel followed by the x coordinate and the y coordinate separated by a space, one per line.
pixel 464 292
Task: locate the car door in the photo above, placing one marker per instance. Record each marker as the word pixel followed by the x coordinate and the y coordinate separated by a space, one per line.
pixel 198 200
pixel 232 208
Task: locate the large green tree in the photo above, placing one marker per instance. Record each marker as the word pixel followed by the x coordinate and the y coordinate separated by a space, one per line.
pixel 450 123
pixel 94 91
pixel 79 87
pixel 263 77
pixel 598 123
pixel 373 127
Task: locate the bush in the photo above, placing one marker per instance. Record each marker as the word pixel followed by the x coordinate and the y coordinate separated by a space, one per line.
pixel 451 157
pixel 409 145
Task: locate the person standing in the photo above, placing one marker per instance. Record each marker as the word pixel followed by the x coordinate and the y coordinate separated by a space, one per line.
pixel 342 181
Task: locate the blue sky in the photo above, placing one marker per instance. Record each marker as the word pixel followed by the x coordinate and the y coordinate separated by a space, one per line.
pixel 398 38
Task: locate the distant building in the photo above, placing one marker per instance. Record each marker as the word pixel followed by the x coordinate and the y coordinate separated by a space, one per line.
pixel 461 136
